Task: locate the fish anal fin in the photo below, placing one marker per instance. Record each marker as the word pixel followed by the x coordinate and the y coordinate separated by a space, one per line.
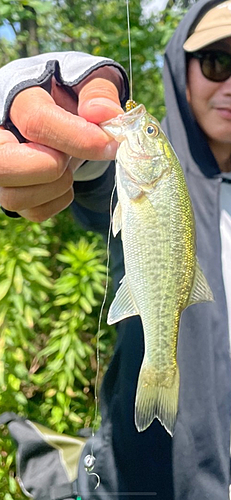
pixel 116 221
pixel 155 400
pixel 201 291
pixel 123 305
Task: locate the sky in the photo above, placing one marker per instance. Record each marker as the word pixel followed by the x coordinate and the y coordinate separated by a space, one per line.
pixel 153 6
pixel 7 32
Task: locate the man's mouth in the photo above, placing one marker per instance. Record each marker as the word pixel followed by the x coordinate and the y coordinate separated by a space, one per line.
pixel 224 112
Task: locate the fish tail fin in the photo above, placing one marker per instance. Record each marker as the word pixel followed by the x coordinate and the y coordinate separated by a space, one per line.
pixel 156 401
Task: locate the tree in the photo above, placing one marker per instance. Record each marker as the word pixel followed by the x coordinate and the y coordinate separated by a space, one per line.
pixel 182 4
pixel 25 18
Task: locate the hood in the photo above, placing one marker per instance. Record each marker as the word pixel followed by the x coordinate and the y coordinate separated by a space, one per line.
pixel 180 126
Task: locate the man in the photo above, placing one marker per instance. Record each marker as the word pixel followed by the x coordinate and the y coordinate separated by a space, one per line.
pixel 37 182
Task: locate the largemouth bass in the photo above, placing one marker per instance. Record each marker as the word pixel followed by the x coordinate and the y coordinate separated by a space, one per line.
pixel 162 274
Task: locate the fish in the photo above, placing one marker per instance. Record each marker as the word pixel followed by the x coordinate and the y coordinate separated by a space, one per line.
pixel 162 274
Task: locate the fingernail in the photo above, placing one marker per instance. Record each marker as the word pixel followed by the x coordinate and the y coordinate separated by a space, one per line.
pixel 110 150
pixel 106 103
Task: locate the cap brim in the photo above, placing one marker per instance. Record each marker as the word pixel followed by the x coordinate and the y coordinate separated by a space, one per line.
pixel 198 40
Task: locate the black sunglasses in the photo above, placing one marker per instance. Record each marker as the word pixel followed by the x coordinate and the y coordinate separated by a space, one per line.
pixel 215 64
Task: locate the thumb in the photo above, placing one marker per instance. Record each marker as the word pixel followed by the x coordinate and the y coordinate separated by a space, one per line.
pixel 99 101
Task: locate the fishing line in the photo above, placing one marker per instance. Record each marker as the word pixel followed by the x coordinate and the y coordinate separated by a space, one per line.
pixel 89 460
pixel 130 104
pixel 129 52
pixel 101 313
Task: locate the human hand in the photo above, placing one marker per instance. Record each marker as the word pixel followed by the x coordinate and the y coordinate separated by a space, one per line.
pixel 36 177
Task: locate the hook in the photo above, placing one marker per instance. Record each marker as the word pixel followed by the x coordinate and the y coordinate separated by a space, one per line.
pixel 89 464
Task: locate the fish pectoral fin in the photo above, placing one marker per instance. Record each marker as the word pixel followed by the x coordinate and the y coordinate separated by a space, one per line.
pixel 132 188
pixel 123 305
pixel 117 219
pixel 201 291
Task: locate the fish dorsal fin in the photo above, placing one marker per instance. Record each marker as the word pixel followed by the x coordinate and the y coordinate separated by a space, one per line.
pixel 117 219
pixel 201 292
pixel 123 305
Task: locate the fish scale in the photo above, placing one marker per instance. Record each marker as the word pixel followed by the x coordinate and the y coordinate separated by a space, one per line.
pixel 162 274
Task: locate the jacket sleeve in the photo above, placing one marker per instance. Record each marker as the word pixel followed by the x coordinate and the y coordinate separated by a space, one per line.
pixel 69 68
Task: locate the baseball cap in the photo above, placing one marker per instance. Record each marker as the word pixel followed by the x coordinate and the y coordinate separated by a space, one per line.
pixel 214 25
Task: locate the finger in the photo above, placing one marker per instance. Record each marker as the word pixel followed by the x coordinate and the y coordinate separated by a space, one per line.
pixel 49 124
pixel 7 137
pixel 29 164
pixel 22 198
pixel 47 210
pixel 99 101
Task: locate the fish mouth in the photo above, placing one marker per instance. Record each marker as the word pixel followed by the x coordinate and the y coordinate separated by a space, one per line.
pixel 134 114
pixel 117 127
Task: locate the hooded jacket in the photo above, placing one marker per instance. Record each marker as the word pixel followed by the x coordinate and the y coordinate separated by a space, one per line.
pixel 195 463
pixel 201 442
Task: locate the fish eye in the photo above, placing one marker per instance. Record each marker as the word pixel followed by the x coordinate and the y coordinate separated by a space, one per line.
pixel 152 130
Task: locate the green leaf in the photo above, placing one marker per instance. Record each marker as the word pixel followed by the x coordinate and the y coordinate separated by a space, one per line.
pixel 86 306
pixel 2 374
pixel 90 295
pixel 19 303
pixel 75 418
pixel 21 371
pixel 70 358
pixel 4 287
pixel 24 256
pixel 55 365
pixel 61 301
pixel 14 382
pixel 62 381
pixel 9 268
pixel 8 496
pixel 57 413
pixel 3 312
pixel 81 377
pixel 41 280
pixel 39 252
pixel 49 349
pixel 18 280
pixel 61 398
pixel 28 313
pixel 65 343
pixel 12 485
pixel 21 399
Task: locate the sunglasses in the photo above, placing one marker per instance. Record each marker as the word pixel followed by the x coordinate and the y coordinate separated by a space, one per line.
pixel 215 64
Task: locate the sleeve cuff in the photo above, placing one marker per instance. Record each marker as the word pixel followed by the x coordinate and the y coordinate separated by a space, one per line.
pixel 12 215
pixel 69 68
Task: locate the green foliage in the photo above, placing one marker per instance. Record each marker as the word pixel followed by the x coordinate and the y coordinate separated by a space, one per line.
pixel 49 310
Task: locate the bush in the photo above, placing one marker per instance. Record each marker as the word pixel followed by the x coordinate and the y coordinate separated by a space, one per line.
pixel 51 290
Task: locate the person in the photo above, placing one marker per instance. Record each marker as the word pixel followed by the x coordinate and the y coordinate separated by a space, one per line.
pixel 56 101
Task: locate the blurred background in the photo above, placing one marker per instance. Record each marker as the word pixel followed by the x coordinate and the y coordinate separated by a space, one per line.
pixel 52 275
